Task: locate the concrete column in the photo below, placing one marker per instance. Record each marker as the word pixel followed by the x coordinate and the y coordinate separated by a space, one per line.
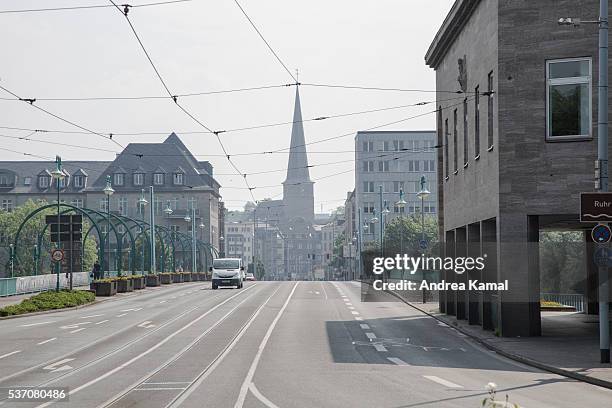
pixel 489 248
pixel 449 276
pixel 461 251
pixel 474 251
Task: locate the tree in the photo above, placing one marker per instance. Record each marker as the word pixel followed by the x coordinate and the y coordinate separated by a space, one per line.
pixel 403 234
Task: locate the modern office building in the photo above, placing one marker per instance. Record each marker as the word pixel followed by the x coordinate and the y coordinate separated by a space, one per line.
pixel 392 162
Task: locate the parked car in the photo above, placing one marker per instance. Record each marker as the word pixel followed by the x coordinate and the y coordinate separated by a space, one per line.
pixel 249 276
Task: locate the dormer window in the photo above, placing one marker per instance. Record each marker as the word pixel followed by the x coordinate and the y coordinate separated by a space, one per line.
pixel 79 181
pixel 44 181
pixel 27 181
pixel 138 179
pixel 179 179
pixel 158 179
pixel 118 179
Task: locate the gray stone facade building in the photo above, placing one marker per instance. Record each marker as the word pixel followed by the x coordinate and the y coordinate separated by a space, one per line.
pixel 180 181
pixel 517 149
pixel 395 160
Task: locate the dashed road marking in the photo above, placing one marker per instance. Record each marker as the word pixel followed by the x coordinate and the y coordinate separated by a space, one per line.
pixel 132 310
pixel 358 318
pixel 74 326
pixel 397 361
pixel 442 381
pixel 350 308
pixel 380 347
pixel 121 315
pixel 364 326
pixel 163 301
pixel 354 312
pixel 10 354
pixel 103 321
pixel 77 330
pixel 146 324
pixel 46 341
pixel 36 324
pixel 90 316
pixel 370 335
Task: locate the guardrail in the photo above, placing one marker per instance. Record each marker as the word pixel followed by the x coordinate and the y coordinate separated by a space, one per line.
pixel 566 299
pixel 40 283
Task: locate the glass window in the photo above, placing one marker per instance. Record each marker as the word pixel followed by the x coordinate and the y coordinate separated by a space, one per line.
pixel 77 202
pixel 178 179
pixel 368 166
pixel 7 205
pixel 446 159
pixel 383 166
pixel 123 205
pixel 455 140
pixel 118 179
pixel 368 186
pixel 102 205
pixel 78 181
pixel 27 181
pixel 138 179
pixel 368 146
pixel 43 181
pixel 490 110
pixel 477 122
pixel 465 132
pixel 569 99
pixel 386 146
pixel 158 179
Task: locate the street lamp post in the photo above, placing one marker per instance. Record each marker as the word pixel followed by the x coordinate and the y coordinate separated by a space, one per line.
pixel 142 202
pixel 58 176
pixel 203 262
pixel 401 204
pixel 423 194
pixel 168 211
pixel 193 238
pixel 108 192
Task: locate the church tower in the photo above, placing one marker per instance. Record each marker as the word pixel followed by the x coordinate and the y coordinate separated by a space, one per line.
pixel 298 196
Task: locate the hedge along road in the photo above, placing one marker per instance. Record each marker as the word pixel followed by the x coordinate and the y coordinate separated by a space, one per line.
pixel 90 336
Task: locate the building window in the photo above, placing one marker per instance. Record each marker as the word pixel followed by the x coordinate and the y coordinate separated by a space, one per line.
pixel 192 203
pixel 118 179
pixel 568 99
pixel 63 181
pixel 368 146
pixel 123 206
pixel 455 147
pixel 368 166
pixel 43 181
pixel 178 179
pixel 477 122
pixel 413 165
pixel 383 166
pixel 27 181
pixel 397 186
pixel 138 179
pixel 386 146
pixel 102 205
pixel 428 165
pixel 78 181
pixel 368 186
pixel 7 205
pixel 465 132
pixel 77 202
pixel 398 145
pixel 368 207
pixel 158 179
pixel 489 110
pixel 4 180
pixel 446 159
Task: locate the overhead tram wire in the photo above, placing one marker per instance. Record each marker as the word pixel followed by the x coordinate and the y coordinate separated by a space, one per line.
pixel 374 88
pixel 174 97
pixel 89 7
pixel 295 79
pixel 31 102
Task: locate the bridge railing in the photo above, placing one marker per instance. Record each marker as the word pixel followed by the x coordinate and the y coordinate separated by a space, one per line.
pixel 566 299
pixel 40 283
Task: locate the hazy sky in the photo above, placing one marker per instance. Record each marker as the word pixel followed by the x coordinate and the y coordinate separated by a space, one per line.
pixel 207 45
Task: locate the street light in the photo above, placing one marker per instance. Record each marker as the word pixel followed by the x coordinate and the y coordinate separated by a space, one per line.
pixel 423 194
pixel 142 202
pixel 168 211
pixel 108 192
pixel 58 175
pixel 401 204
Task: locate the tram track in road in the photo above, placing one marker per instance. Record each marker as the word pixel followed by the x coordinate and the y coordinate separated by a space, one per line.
pixel 216 360
pixel 115 350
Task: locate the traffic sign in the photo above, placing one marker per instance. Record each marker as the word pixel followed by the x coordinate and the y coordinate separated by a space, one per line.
pixel 57 255
pixel 602 256
pixel 601 234
pixel 423 244
pixel 595 207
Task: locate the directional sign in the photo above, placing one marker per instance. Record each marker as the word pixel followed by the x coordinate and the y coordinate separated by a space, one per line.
pixel 57 255
pixel 601 234
pixel 595 207
pixel 602 256
pixel 423 244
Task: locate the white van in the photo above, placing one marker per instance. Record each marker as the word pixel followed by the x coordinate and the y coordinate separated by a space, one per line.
pixel 227 272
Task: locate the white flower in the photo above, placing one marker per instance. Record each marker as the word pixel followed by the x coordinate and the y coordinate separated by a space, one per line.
pixel 491 387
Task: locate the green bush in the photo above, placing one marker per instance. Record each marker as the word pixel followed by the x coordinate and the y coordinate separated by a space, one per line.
pixel 48 301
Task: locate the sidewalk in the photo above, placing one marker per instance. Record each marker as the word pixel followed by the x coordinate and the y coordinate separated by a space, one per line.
pixel 569 344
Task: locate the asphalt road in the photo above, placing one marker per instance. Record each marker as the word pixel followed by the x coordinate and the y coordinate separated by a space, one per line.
pixel 271 344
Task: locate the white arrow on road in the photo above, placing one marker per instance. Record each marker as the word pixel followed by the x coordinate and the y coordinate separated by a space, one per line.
pixel 146 325
pixel 55 367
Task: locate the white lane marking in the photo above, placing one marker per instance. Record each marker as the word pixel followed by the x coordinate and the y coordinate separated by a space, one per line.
pixel 358 318
pixel 354 312
pixel 397 361
pixel 146 324
pixel 261 397
pixel 370 335
pixel 59 365
pixel 350 308
pixel 10 354
pixel 46 341
pixel 324 291
pixel 103 321
pixel 347 303
pixel 121 315
pixel 159 389
pixel 163 301
pixel 317 292
pixel 364 326
pixel 149 350
pixel 166 383
pixel 132 310
pixel 380 347
pixel 442 381
pixel 36 324
pixel 90 316
pixel 249 377
pixel 74 326
pixel 77 330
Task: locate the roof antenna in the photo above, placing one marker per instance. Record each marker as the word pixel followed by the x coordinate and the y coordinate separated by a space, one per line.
pixel 297 76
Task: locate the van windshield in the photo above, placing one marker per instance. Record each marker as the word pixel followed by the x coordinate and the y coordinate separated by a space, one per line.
pixel 226 264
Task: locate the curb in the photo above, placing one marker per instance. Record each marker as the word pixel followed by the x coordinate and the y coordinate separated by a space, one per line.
pixel 95 302
pixel 516 357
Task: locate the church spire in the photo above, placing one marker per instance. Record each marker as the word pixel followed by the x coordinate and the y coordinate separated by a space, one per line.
pixel 298 160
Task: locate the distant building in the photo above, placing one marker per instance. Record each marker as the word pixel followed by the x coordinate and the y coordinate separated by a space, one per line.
pixel 395 161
